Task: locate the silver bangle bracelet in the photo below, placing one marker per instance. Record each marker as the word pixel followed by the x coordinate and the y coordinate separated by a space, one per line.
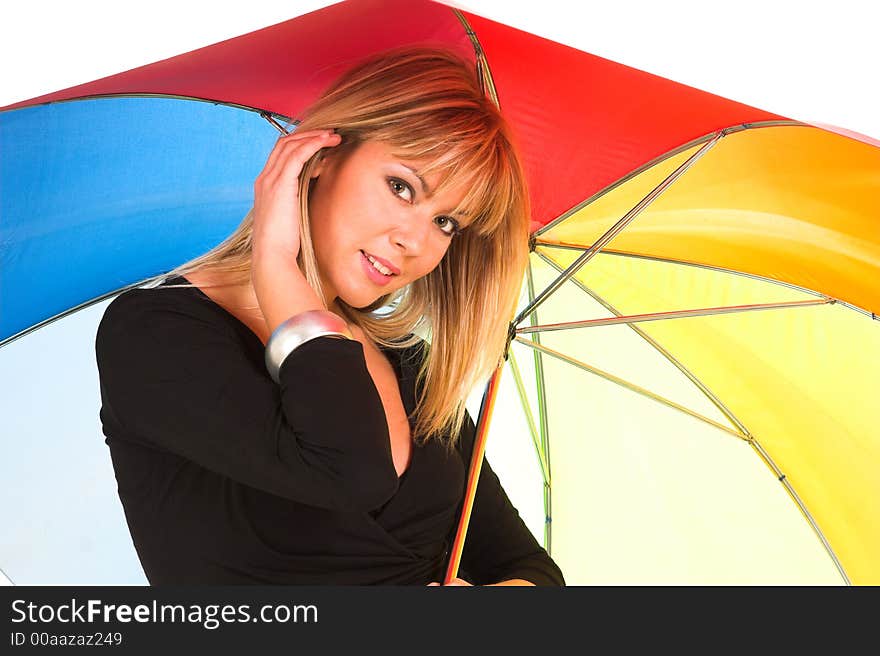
pixel 296 331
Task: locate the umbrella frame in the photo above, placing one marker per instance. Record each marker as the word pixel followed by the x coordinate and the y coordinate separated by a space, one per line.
pixel 538 429
pixel 588 253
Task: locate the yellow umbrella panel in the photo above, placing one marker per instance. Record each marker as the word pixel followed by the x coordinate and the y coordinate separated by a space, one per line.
pixel 725 431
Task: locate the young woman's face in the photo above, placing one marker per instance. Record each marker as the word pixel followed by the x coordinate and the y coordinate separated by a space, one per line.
pixel 376 225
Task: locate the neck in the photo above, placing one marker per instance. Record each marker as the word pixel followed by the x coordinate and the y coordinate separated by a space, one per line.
pixel 334 307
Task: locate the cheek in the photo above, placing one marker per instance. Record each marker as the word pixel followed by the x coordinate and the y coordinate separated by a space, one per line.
pixel 432 260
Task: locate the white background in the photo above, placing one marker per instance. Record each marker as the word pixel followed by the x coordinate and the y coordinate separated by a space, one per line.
pixel 810 61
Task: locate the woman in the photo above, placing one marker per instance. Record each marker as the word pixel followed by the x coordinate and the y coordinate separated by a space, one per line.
pixel 266 423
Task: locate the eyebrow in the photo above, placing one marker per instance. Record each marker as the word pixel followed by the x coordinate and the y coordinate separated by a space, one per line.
pixel 426 190
pixel 420 178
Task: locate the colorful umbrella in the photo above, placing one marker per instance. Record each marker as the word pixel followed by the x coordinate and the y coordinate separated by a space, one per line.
pixel 700 282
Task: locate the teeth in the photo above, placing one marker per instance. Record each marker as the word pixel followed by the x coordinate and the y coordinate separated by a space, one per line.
pixel 382 269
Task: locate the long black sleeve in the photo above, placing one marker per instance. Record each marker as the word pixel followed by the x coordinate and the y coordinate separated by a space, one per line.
pixel 174 378
pixel 498 545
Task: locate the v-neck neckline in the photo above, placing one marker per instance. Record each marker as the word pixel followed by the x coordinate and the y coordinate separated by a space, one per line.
pixel 405 376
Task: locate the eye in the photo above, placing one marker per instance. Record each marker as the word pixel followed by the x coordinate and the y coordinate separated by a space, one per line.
pixel 400 188
pixel 448 225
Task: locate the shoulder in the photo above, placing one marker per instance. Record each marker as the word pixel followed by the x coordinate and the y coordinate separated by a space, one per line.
pixel 145 313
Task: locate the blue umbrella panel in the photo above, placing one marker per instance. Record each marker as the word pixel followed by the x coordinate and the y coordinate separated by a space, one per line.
pixel 96 196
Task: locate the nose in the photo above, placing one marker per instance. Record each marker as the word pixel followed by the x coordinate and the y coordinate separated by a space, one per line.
pixel 410 233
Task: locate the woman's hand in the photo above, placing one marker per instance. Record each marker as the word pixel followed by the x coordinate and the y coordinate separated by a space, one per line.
pixel 458 581
pixel 280 287
pixel 455 581
pixel 276 212
pixel 522 582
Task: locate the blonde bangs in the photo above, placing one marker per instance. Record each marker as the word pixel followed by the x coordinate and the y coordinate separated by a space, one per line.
pixel 484 167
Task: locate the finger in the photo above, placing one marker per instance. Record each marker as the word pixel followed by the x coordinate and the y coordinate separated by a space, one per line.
pixel 293 137
pixel 291 162
pixel 286 167
pixel 278 147
pixel 305 133
pixel 434 583
pixel 293 157
pixel 282 146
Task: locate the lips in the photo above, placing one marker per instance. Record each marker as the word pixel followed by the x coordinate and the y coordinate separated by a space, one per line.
pixel 373 274
pixel 385 263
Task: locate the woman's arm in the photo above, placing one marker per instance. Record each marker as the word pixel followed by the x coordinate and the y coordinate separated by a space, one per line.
pixel 176 376
pixel 279 285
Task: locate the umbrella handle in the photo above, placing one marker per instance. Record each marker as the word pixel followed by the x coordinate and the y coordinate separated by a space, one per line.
pixel 485 417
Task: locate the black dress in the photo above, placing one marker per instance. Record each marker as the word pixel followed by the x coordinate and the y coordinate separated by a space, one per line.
pixel 227 477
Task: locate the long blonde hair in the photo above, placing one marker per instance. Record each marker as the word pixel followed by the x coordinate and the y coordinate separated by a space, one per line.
pixel 428 105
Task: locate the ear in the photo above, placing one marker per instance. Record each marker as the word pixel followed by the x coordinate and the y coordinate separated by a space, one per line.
pixel 329 158
pixel 319 166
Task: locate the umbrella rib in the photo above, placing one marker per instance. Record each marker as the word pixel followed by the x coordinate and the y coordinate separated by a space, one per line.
pixel 484 73
pixel 618 227
pixel 672 314
pixel 659 159
pixel 669 260
pixel 542 412
pixel 530 419
pixel 632 387
pixel 710 395
pixel 172 96
pixel 81 306
pixel 656 345
pixel 765 457
pixel 65 313
pixel 275 124
pixel 800 504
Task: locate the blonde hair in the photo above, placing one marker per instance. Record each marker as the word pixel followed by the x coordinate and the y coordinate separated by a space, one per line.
pixel 428 105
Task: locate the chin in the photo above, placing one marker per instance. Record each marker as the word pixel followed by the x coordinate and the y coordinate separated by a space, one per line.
pixel 359 301
pixel 362 302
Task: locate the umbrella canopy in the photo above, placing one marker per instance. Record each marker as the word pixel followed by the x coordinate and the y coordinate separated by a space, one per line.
pixel 719 258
